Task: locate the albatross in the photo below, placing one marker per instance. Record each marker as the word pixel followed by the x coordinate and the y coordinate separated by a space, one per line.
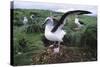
pixel 25 20
pixel 79 23
pixel 55 32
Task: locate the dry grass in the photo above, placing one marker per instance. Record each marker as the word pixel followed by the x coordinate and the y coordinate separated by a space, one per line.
pixel 66 54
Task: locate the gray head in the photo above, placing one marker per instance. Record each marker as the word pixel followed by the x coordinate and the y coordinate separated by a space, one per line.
pixel 48 21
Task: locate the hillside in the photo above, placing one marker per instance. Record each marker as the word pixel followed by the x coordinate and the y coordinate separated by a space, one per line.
pixel 29 44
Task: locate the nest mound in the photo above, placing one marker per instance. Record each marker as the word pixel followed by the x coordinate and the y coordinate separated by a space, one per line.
pixel 66 54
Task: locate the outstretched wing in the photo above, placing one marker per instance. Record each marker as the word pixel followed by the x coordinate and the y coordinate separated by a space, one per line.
pixel 61 21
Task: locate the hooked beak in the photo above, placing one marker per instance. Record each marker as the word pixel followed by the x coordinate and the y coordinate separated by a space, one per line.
pixel 43 24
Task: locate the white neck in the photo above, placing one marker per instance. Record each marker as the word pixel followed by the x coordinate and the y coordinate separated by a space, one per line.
pixel 48 28
pixel 76 20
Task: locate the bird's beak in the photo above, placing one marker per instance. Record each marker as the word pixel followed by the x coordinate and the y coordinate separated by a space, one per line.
pixel 43 24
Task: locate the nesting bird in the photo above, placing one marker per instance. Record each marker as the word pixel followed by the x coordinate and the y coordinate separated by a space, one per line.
pixel 79 23
pixel 54 36
pixel 32 16
pixel 55 32
pixel 25 20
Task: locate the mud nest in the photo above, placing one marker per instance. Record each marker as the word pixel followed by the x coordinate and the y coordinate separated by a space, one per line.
pixel 66 54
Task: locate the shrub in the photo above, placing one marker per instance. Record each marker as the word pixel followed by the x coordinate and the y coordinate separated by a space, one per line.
pixel 33 28
pixel 89 38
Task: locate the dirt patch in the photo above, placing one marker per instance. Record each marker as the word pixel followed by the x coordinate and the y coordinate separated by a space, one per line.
pixel 66 54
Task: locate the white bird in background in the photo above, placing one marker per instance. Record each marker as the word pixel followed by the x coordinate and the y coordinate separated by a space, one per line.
pixel 54 31
pixel 25 20
pixel 32 16
pixel 79 23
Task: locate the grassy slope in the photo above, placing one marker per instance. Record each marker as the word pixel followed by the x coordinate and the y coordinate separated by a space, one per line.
pixel 35 44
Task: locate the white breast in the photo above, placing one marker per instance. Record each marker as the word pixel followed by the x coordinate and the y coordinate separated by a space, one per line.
pixel 56 36
pixel 77 21
pixel 25 20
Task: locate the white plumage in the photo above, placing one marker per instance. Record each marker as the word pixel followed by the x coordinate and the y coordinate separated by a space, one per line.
pixel 25 20
pixel 32 16
pixel 78 23
pixel 54 32
pixel 57 35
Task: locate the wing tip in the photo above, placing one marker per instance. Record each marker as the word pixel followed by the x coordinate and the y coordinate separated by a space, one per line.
pixel 84 12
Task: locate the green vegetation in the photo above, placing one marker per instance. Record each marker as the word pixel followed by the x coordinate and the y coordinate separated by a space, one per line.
pixel 28 38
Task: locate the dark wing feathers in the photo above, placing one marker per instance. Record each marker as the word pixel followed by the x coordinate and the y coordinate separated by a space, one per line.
pixel 61 21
